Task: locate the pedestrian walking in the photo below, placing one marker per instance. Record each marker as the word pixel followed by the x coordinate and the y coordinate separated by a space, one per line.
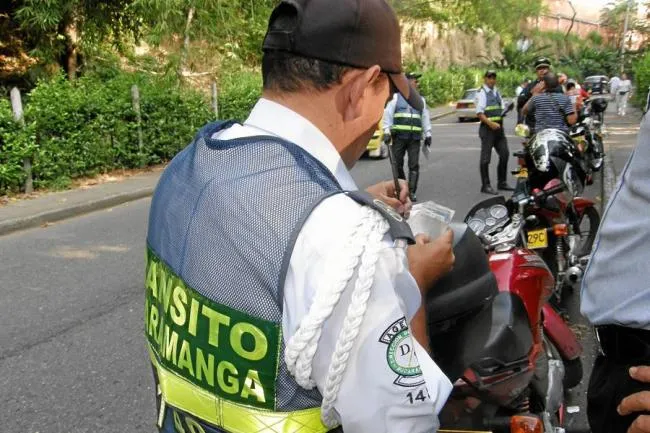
pixel 622 94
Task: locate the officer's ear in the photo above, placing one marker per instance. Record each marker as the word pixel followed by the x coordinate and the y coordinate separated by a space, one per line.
pixel 359 86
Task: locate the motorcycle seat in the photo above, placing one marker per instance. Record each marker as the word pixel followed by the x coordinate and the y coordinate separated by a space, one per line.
pixel 468 287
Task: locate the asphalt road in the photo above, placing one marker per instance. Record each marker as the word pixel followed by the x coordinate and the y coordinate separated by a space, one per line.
pixel 72 352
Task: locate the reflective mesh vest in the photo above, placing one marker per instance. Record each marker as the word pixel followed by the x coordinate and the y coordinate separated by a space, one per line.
pixel 493 108
pixel 223 222
pixel 407 121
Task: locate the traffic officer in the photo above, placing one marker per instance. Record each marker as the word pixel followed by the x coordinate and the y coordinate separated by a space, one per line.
pixel 489 108
pixel 407 127
pixel 615 297
pixel 278 296
pixel 542 66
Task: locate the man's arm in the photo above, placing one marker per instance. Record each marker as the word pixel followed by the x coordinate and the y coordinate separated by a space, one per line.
pixel 389 113
pixel 571 115
pixel 383 389
pixel 426 120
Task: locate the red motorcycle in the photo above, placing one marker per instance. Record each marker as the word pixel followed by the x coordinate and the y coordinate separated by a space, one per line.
pixel 491 330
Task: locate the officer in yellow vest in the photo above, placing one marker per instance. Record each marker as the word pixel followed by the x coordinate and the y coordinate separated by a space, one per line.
pixel 279 297
pixel 489 108
pixel 407 126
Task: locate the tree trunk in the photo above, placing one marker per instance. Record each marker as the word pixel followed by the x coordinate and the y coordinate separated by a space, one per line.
pixel 573 20
pixel 71 50
pixel 186 42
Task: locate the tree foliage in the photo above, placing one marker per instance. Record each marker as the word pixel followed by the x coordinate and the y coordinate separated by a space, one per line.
pixel 473 14
pixel 233 28
pixel 60 30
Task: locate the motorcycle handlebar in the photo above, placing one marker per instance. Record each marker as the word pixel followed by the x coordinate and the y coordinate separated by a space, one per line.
pixel 545 194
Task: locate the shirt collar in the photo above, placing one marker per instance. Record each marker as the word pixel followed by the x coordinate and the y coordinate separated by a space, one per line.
pixel 276 119
pixel 487 89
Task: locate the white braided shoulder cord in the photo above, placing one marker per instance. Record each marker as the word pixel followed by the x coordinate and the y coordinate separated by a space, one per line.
pixel 363 246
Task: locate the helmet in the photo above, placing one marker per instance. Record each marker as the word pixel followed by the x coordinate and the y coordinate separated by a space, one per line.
pixel 522 130
pixel 599 105
pixel 555 156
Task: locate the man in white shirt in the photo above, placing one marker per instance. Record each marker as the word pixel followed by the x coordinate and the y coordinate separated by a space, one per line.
pixel 622 94
pixel 309 292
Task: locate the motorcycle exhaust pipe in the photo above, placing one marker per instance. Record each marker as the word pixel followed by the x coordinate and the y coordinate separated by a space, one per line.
pixel 573 276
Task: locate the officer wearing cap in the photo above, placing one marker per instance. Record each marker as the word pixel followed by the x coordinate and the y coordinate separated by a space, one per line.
pixel 278 296
pixel 407 126
pixel 542 66
pixel 489 108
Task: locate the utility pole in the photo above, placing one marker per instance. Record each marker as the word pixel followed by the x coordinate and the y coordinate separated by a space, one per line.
pixel 627 20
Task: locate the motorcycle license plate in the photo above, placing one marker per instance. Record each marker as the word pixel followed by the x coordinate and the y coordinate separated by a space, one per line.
pixel 537 239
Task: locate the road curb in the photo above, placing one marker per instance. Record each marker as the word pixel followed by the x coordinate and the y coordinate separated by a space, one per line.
pixel 440 116
pixel 16 224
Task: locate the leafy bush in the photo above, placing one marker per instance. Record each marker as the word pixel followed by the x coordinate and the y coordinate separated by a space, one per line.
pixel 90 126
pixel 239 90
pixel 642 78
pixel 16 143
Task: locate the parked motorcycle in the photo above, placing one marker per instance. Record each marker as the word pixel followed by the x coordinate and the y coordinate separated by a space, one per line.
pixel 588 132
pixel 493 333
pixel 562 227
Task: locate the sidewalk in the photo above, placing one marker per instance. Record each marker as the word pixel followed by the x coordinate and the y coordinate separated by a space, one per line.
pixel 51 207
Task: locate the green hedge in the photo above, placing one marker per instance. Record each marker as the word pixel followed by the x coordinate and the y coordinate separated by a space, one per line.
pixel 441 87
pixel 89 126
pixel 642 79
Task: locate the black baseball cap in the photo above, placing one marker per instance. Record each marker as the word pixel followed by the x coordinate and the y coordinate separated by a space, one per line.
pixel 356 33
pixel 542 62
pixel 490 73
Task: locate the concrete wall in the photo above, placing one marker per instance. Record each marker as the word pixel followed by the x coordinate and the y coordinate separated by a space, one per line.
pixel 441 47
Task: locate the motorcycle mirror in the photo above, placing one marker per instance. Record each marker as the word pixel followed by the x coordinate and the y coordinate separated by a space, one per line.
pixel 532 219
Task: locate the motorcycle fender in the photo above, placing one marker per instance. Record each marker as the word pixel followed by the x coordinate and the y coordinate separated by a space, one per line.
pixel 581 204
pixel 560 334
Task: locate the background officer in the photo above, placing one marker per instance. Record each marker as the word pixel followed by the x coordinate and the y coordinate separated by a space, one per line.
pixel 408 127
pixel 489 108
pixel 542 66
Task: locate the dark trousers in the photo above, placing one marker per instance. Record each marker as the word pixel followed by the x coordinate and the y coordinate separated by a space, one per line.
pixel 411 145
pixel 610 380
pixel 497 140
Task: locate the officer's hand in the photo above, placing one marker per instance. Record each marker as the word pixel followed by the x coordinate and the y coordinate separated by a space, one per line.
pixel 386 138
pixel 494 126
pixel 639 402
pixel 385 191
pixel 431 259
pixel 427 141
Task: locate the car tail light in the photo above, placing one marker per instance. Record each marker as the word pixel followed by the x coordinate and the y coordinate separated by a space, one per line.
pixel 461 105
pixel 526 424
pixel 560 230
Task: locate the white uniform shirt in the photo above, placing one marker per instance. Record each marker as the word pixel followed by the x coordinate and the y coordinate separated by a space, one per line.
pixel 613 84
pixel 373 397
pixel 481 98
pixel 625 86
pixel 389 114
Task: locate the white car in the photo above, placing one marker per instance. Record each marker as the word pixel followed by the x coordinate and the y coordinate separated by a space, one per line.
pixel 466 106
